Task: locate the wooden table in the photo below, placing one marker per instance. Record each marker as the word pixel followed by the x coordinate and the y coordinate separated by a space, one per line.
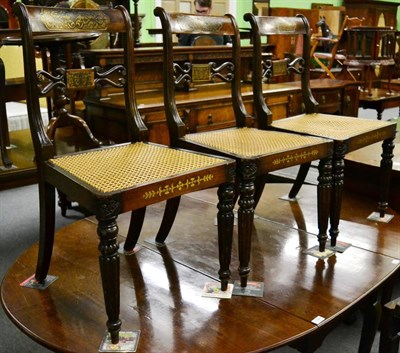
pixel 380 99
pixel 161 286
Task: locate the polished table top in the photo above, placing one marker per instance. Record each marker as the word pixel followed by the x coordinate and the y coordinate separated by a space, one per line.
pixel 161 286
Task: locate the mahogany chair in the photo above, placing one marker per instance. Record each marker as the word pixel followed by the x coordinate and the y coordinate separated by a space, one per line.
pixel 336 54
pixel 257 152
pixel 114 179
pixel 348 133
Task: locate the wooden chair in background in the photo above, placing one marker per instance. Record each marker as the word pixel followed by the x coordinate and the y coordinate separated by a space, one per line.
pixel 335 45
pixel 114 179
pixel 348 133
pixel 256 152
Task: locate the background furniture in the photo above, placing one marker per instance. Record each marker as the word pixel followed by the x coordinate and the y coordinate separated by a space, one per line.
pixel 370 48
pixel 209 107
pixel 376 13
pixel 333 55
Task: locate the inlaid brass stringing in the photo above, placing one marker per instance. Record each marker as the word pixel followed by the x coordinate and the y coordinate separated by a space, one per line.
pixel 66 21
pixel 196 25
pixel 80 78
pixel 297 157
pixel 172 188
pixel 201 72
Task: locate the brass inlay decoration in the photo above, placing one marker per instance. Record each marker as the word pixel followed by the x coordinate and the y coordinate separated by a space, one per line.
pixel 201 72
pixel 195 25
pixel 63 20
pixel 285 27
pixel 172 188
pixel 80 78
pixel 279 67
pixel 377 136
pixel 289 159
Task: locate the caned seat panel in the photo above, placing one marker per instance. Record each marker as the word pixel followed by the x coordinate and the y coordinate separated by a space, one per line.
pixel 249 142
pixel 123 167
pixel 330 126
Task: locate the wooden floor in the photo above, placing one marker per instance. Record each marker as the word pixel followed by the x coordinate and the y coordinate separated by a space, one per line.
pixel 161 286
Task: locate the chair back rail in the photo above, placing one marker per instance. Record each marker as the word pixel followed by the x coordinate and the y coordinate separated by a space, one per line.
pixel 264 26
pixel 54 25
pixel 174 23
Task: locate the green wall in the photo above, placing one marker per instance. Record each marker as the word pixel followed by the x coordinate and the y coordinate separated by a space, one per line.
pixel 146 7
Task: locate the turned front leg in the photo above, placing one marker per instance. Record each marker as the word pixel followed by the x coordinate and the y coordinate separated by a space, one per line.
pixel 339 152
pixel 324 199
pixel 247 175
pixel 386 173
pixel 109 267
pixel 226 194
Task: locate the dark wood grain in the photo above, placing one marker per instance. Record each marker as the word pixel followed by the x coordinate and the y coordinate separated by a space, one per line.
pixel 161 286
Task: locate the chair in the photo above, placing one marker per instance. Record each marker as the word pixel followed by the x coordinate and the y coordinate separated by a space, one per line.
pixel 118 178
pixel 348 133
pixel 334 44
pixel 256 152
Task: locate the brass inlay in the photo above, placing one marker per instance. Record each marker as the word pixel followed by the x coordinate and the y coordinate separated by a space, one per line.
pixel 289 159
pixel 170 189
pixel 287 27
pixel 194 24
pixel 377 136
pixel 63 20
pixel 279 67
pixel 80 78
pixel 201 72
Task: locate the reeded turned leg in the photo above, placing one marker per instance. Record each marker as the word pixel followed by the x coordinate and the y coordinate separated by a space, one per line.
pixel 245 217
pixel 226 194
pixel 337 189
pixel 386 173
pixel 107 231
pixel 324 198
